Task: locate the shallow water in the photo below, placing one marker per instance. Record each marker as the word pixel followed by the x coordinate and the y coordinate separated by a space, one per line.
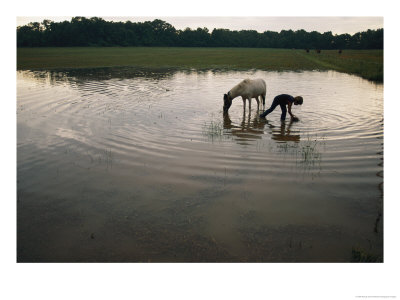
pixel 140 165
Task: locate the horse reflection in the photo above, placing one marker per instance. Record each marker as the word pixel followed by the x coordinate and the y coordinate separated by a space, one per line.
pixel 248 129
pixel 253 129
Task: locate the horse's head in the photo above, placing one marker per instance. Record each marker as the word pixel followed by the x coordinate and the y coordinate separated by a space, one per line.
pixel 227 102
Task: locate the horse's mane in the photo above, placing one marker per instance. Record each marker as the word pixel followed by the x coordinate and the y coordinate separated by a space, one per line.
pixel 240 86
pixel 244 82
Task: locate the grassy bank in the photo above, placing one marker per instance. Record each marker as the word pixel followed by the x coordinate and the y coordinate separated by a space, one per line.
pixel 365 63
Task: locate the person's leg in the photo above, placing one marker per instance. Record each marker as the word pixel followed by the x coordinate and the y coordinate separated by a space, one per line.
pixel 271 109
pixel 283 108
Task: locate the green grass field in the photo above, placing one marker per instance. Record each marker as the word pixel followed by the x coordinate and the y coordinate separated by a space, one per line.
pixel 365 63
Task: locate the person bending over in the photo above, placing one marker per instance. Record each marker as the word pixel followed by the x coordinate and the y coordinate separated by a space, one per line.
pixel 284 100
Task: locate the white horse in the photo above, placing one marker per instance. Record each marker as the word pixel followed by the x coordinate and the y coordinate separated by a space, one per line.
pixel 248 89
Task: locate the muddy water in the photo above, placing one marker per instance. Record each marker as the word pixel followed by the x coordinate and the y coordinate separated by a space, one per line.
pixel 133 165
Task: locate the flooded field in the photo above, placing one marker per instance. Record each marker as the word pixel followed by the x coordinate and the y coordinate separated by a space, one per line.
pixel 137 165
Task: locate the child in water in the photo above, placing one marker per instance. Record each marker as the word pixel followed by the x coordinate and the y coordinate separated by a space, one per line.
pixel 284 100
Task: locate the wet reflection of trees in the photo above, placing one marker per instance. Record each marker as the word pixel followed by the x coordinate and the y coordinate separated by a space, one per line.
pixel 74 75
pixel 99 74
pixel 109 81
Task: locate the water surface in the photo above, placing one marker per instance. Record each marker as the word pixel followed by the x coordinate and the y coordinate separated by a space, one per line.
pixel 136 165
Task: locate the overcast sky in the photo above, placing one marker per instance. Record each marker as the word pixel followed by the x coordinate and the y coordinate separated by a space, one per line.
pixel 337 25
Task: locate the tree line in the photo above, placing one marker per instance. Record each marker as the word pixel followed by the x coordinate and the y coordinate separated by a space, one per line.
pixel 81 31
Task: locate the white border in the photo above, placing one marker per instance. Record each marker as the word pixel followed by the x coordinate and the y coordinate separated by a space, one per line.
pixel 198 281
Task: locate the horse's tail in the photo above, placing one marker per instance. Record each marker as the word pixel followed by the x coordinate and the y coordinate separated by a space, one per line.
pixel 263 95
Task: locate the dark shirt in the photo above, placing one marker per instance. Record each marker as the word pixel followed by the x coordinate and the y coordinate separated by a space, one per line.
pixel 284 99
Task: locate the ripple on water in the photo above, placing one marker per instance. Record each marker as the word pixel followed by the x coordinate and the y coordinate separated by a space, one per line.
pixel 161 135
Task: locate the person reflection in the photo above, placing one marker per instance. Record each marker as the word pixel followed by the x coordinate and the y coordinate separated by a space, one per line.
pixel 284 133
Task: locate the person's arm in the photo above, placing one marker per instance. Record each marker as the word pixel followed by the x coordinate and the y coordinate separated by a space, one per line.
pixel 290 110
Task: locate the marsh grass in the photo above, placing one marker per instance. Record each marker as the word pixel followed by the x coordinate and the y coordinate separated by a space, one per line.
pixel 310 151
pixel 108 158
pixel 307 152
pixel 105 157
pixel 365 63
pixel 360 255
pixel 213 130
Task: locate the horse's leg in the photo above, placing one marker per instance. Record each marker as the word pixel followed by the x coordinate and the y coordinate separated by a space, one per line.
pixel 244 104
pixel 249 103
pixel 258 103
pixel 263 99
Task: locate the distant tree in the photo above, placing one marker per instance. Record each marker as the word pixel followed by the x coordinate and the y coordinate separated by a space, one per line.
pixel 194 38
pixel 82 31
pixel 221 38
